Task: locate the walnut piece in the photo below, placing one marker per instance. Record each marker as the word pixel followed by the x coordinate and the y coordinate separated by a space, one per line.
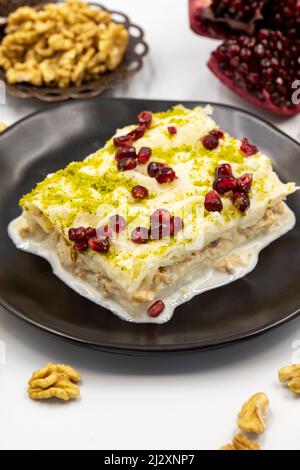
pixel 241 442
pixel 54 381
pixel 252 417
pixel 291 376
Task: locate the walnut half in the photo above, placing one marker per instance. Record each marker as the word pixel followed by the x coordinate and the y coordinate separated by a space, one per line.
pixel 291 376
pixel 54 381
pixel 241 442
pixel 252 417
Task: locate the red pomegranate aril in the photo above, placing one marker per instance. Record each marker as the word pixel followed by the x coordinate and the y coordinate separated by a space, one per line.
pixel 127 163
pixel 213 202
pixel 224 184
pixel 224 170
pixel 139 192
pixel 76 234
pixel 90 233
pixel 210 142
pixel 117 223
pixel 156 308
pixel 137 133
pixel 159 231
pixel 104 232
pixel 165 175
pixel 217 133
pixel 101 245
pixel 144 155
pixel 140 235
pixel 244 183
pixel 123 141
pixel 81 246
pixel 172 130
pixel 160 216
pixel 125 152
pixel 154 168
pixel 241 201
pixel 248 148
pixel 145 118
pixel 176 225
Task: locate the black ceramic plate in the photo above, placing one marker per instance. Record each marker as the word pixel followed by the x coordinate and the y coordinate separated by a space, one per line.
pixel 45 142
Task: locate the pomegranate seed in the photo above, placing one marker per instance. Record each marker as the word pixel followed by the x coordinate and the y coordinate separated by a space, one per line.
pixel 144 155
pixel 139 192
pixel 145 118
pixel 224 170
pixel 90 233
pixel 244 183
pixel 153 168
pixel 156 308
pixel 104 232
pixel 98 244
pixel 217 133
pixel 81 246
pixel 176 225
pixel 137 133
pixel 160 216
pixel 213 202
pixel 140 235
pixel 247 148
pixel 123 141
pixel 172 130
pixel 125 152
pixel 165 175
pixel 241 201
pixel 224 184
pixel 117 223
pixel 127 163
pixel 210 142
pixel 159 231
pixel 77 234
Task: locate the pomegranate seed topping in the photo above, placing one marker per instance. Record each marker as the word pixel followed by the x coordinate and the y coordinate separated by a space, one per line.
pixel 217 133
pixel 210 142
pixel 213 202
pixel 224 170
pixel 172 130
pixel 125 152
pixel 159 231
pixel 241 201
pixel 77 234
pixel 127 163
pixel 117 223
pixel 145 118
pixel 139 192
pixel 98 244
pixel 81 246
pixel 90 233
pixel 144 155
pixel 153 168
pixel 140 235
pixel 104 232
pixel 160 216
pixel 247 148
pixel 244 183
pixel 165 175
pixel 123 141
pixel 224 184
pixel 156 308
pixel 137 133
pixel 176 225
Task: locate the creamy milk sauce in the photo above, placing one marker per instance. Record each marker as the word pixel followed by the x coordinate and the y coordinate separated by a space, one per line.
pixel 210 279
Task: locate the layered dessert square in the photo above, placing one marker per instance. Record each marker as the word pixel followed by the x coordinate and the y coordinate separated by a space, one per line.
pixel 170 207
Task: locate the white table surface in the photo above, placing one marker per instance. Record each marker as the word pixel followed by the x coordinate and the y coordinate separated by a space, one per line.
pixel 183 402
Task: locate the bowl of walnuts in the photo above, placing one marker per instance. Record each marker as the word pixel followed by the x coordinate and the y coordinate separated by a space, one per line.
pixel 71 49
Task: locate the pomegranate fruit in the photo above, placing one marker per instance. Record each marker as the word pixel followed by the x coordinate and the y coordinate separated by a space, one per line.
pixel 224 184
pixel 161 216
pixel 101 245
pixel 248 148
pixel 77 234
pixel 127 163
pixel 260 69
pixel 224 170
pixel 140 235
pixel 165 175
pixel 104 232
pixel 241 201
pixel 139 192
pixel 144 155
pixel 125 152
pixel 244 183
pixel 154 168
pixel 172 130
pixel 213 202
pixel 156 308
pixel 210 142
pixel 81 246
pixel 145 118
pixel 176 225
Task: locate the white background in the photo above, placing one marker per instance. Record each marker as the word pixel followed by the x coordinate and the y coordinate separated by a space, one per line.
pixel 183 402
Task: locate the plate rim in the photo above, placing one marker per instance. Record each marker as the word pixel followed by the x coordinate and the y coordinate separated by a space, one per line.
pixel 130 349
